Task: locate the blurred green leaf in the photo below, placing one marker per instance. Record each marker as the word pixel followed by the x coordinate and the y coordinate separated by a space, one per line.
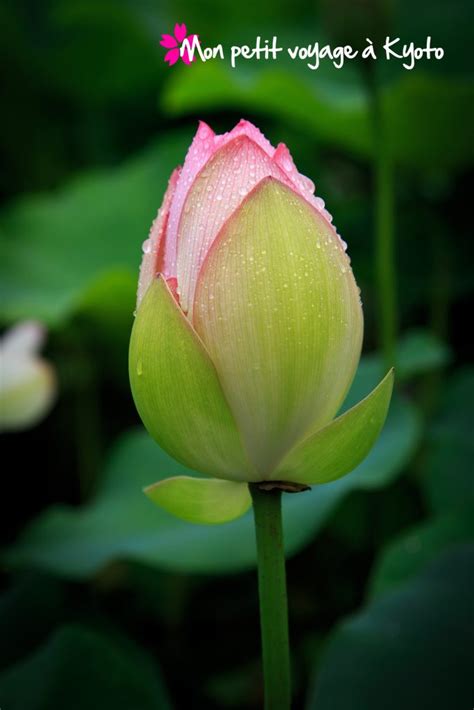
pixel 57 247
pixel 410 553
pixel 334 113
pixel 448 474
pixel 419 352
pixel 78 668
pixel 410 649
pixel 122 523
pixel 338 114
pixel 107 307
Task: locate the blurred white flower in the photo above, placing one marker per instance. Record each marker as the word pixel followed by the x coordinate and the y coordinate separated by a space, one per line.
pixel 27 382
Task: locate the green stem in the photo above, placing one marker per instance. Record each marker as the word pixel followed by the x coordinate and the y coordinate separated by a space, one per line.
pixel 384 233
pixel 273 597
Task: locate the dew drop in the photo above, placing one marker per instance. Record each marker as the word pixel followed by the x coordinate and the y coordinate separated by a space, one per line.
pixel 307 183
pixel 146 246
pixel 139 367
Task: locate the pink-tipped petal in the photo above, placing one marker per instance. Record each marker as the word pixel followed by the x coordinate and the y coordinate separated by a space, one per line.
pixel 168 41
pixel 203 147
pixel 172 56
pixel 302 184
pixel 216 193
pixel 153 247
pixel 180 32
pixel 198 154
pixel 245 128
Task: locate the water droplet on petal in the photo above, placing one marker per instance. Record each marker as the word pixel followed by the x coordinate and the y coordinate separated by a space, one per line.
pixel 139 367
pixel 146 246
pixel 307 183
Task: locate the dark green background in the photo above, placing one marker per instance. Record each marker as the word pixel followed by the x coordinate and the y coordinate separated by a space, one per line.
pixel 108 602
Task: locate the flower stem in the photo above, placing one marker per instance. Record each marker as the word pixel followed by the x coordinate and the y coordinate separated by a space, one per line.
pixel 273 597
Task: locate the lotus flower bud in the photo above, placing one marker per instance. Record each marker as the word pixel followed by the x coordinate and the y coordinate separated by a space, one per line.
pixel 248 330
pixel 28 383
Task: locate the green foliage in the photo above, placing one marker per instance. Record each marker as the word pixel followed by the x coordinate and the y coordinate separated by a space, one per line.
pixel 419 352
pixel 120 523
pixel 448 480
pixel 83 668
pixel 411 648
pixel 409 554
pixel 57 248
pixel 339 115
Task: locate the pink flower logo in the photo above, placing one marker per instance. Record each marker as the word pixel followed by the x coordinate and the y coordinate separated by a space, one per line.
pixel 173 44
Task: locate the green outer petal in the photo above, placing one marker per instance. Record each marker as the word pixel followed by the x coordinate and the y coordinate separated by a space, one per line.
pixel 207 501
pixel 177 393
pixel 340 446
pixel 279 312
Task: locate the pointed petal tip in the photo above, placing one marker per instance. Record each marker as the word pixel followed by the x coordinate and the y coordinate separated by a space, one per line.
pixel 180 31
pixel 168 41
pixel 338 448
pixel 204 130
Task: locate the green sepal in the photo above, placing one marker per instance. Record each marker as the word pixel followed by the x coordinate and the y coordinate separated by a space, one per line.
pixel 206 501
pixel 339 447
pixel 177 392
